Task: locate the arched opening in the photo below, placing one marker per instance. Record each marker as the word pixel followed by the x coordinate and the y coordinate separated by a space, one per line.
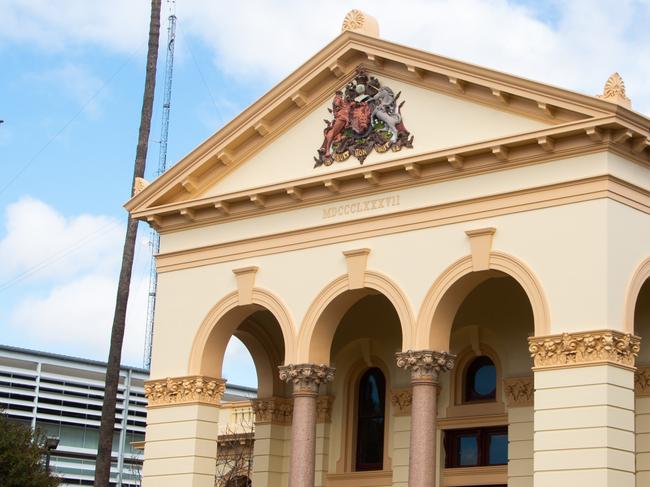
pixel 642 322
pixel 365 340
pixel 490 319
pixel 641 316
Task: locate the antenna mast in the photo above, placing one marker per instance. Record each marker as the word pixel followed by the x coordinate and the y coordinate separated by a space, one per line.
pixel 162 166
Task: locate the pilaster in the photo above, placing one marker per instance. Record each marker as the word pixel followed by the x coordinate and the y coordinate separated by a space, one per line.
pixel 584 409
pixel 182 430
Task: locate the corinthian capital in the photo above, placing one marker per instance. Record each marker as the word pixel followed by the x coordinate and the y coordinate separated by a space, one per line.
pixel 425 364
pixel 182 390
pixel 306 377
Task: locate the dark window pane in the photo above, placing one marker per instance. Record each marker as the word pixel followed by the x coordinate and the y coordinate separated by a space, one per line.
pixel 498 449
pixel 370 420
pixel 468 451
pixel 481 380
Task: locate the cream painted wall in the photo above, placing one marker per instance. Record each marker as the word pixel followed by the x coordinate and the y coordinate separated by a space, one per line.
pixel 454 122
pixel 445 192
pixel 565 247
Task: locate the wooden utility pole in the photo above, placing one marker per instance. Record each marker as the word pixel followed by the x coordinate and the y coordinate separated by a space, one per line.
pixel 103 464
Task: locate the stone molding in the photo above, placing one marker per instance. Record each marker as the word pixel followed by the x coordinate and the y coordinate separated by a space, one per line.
pixel 401 400
pixel 519 391
pixel 183 390
pixel 584 348
pixel 275 410
pixel 324 409
pixel 306 377
pixel 642 381
pixel 425 364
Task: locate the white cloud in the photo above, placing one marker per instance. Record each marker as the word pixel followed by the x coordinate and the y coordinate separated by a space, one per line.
pixel 583 43
pixel 41 243
pixel 119 25
pixel 72 265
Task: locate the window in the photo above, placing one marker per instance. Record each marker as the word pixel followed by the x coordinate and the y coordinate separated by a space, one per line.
pixel 481 380
pixel 476 447
pixel 370 421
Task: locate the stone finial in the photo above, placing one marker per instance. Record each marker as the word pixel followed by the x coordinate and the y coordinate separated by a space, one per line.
pixel 614 91
pixel 360 22
pixel 425 364
pixel 139 184
pixel 306 377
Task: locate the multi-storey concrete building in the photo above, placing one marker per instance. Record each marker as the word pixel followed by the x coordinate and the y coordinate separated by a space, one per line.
pixel 62 397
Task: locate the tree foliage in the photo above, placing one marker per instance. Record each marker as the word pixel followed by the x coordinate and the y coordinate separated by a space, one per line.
pixel 21 456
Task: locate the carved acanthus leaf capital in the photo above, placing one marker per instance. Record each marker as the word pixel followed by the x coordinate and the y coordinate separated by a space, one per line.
pixel 324 409
pixel 583 348
pixel 401 400
pixel 306 377
pixel 181 390
pixel 519 391
pixel 425 364
pixel 276 410
pixel 642 381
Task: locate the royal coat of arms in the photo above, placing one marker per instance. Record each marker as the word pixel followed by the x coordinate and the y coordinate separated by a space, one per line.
pixel 366 118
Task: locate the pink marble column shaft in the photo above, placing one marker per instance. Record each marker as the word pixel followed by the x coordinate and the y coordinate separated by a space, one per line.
pixel 425 367
pixel 306 379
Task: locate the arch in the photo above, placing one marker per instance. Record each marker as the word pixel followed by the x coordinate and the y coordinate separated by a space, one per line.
pixel 325 312
pixel 222 320
pixel 433 329
pixel 639 278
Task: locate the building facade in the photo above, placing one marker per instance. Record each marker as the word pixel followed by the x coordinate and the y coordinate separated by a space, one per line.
pixel 446 283
pixel 62 397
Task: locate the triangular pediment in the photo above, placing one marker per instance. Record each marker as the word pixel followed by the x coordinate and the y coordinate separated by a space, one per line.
pixel 448 107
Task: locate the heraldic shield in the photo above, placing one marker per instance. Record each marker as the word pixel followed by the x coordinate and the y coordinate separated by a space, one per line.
pixel 366 118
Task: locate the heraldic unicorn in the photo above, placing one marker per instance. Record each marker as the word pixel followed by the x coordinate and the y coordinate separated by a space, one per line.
pixel 366 118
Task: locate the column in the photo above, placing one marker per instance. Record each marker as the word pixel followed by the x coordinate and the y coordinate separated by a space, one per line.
pixel 182 429
pixel 584 409
pixel 306 379
pixel 424 365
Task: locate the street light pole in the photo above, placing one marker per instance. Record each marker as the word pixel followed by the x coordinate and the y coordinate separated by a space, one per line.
pixel 51 444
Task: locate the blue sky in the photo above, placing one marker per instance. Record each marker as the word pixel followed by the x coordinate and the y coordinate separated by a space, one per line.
pixel 70 94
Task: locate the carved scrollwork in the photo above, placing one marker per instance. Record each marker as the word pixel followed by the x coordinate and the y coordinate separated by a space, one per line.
pixel 580 348
pixel 276 410
pixel 519 391
pixel 401 400
pixel 425 364
pixel 180 390
pixel 306 377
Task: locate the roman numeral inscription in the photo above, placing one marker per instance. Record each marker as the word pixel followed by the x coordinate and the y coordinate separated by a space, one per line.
pixel 361 206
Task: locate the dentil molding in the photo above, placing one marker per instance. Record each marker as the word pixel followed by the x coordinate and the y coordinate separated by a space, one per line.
pixel 182 390
pixel 584 348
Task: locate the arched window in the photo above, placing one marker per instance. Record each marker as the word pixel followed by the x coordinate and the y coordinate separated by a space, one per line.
pixel 481 380
pixel 370 421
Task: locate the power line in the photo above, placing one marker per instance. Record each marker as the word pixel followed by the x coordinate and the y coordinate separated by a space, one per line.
pixel 57 256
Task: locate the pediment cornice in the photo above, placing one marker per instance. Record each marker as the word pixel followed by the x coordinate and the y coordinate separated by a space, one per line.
pixel 608 133
pixel 332 67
